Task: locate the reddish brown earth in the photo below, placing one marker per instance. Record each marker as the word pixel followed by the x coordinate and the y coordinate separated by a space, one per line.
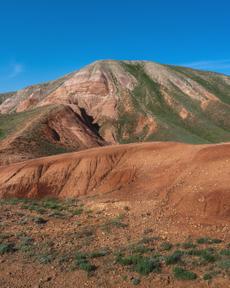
pixel 134 195
pixel 48 258
pixel 54 130
pixel 111 102
pixel 193 179
pixel 166 191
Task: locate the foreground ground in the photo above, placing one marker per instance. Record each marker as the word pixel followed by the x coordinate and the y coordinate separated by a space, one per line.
pixel 92 242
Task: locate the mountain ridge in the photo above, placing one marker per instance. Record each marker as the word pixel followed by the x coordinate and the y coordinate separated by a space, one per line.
pixel 124 102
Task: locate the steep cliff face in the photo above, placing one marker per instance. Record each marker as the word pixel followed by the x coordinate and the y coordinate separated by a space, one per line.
pixel 129 101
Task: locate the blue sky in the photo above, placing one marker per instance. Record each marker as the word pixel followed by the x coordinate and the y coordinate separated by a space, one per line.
pixel 41 40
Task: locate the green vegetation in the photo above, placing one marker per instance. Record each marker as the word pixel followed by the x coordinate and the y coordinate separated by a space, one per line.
pixel 114 223
pixel 83 263
pixel 166 246
pixel 78 211
pixel 13 201
pixel 139 263
pixel 7 248
pixel 45 258
pixel 207 276
pixel 183 274
pixel 148 240
pixel 207 240
pixel 147 265
pixel 26 244
pixel 213 82
pixel 174 258
pixel 225 252
pixel 210 275
pixel 139 256
pixel 99 253
pixel 12 122
pixel 51 207
pixel 136 281
pixel 224 264
pixel 148 99
pixel 139 248
pixel 208 255
pixel 31 120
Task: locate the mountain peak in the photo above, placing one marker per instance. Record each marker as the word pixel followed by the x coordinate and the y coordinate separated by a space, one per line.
pixel 125 101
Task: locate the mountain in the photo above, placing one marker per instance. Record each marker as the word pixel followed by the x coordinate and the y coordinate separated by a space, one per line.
pixel 111 102
pixel 126 214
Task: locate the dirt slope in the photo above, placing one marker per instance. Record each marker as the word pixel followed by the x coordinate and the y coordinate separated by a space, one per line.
pixel 46 131
pixel 193 179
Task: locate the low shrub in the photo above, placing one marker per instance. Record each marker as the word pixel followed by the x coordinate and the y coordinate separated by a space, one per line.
pixel 224 264
pixel 140 264
pixel 139 249
pixel 225 252
pixel 147 265
pixel 78 211
pixel 174 258
pixel 7 248
pixel 207 240
pixel 207 276
pixel 52 203
pixel 45 258
pixel 166 246
pixel 116 222
pixel 82 262
pixel 136 281
pixel 25 244
pixel 183 274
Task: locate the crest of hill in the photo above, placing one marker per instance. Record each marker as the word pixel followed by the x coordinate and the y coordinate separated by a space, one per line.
pixel 118 102
pixel 191 179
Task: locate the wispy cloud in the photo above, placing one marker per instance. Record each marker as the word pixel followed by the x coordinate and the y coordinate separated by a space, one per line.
pixel 16 69
pixel 209 64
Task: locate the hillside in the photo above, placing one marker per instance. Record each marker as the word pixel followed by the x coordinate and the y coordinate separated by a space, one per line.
pixel 48 130
pixel 153 214
pixel 119 102
pixel 194 179
pixel 100 214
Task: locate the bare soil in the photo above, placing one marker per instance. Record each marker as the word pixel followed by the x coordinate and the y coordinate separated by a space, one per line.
pixel 48 240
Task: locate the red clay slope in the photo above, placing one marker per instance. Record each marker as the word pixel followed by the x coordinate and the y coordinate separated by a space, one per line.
pixel 195 179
